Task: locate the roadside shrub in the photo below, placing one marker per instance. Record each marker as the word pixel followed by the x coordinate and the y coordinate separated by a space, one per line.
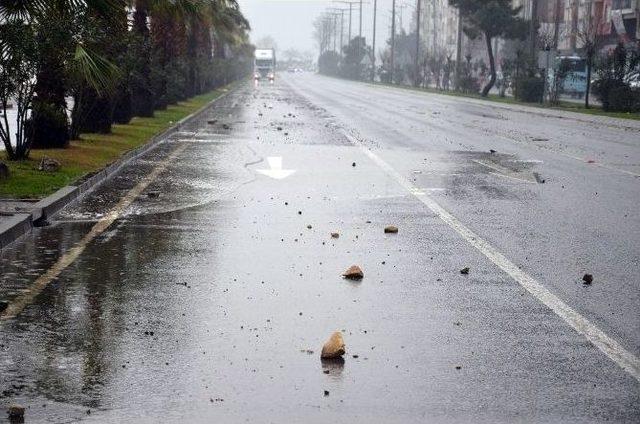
pixel 328 63
pixel 530 89
pixel 624 99
pixel 611 86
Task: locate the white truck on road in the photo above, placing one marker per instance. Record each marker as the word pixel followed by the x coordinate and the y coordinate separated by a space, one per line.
pixel 265 64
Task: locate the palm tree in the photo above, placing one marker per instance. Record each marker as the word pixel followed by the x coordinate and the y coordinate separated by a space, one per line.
pixel 60 49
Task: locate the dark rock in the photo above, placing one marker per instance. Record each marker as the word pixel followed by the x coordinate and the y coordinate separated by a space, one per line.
pixel 48 164
pixel 16 412
pixel 326 392
pixel 587 278
pixel 3 305
pixel 335 235
pixel 41 223
pixel 353 164
pixel 465 270
pixel 391 229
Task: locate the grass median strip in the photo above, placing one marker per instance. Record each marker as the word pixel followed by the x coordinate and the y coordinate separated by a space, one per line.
pixel 92 152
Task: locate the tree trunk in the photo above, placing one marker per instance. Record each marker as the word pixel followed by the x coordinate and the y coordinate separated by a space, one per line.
pixel 142 96
pixel 589 66
pixel 96 113
pixel 49 121
pixel 492 67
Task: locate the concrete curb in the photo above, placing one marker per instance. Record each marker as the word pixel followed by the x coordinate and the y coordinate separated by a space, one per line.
pixel 21 224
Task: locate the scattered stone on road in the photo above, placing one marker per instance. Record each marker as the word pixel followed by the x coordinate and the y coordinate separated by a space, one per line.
pixel 48 164
pixel 334 347
pixel 335 235
pixel 153 194
pixel 16 412
pixel 391 229
pixel 465 270
pixel 353 273
pixel 326 392
pixel 587 278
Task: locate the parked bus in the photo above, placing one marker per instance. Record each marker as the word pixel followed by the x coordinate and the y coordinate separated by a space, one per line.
pixel 575 81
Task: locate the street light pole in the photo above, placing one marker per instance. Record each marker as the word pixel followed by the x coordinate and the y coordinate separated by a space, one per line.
pixel 335 30
pixel 417 71
pixel 393 38
pixel 350 10
pixel 360 31
pixel 533 30
pixel 373 47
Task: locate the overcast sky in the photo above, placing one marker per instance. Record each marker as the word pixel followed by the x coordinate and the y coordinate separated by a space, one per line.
pixel 289 22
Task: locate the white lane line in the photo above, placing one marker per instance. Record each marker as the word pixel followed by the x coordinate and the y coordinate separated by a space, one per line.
pixel 614 350
pixel 18 304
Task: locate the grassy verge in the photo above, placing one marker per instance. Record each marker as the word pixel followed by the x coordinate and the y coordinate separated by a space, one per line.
pixel 92 152
pixel 563 105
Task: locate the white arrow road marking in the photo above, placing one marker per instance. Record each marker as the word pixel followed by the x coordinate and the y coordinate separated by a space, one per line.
pixel 276 171
pixel 609 346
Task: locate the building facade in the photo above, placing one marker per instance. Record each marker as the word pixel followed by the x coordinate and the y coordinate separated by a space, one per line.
pixel 561 24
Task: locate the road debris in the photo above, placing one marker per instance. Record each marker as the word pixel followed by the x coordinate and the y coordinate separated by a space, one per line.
pixel 353 273
pixel 465 270
pixel 48 164
pixel 153 194
pixel 326 392
pixel 587 279
pixel 335 235
pixel 334 347
pixel 391 229
pixel 16 413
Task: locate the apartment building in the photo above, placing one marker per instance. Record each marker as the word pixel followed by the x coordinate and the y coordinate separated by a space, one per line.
pixel 561 24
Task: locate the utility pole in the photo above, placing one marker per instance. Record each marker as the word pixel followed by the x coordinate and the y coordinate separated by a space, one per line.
pixel 335 12
pixel 373 47
pixel 416 81
pixel 459 51
pixel 533 28
pixel 351 3
pixel 360 17
pixel 393 38
pixel 335 30
pixel 341 30
pixel 556 24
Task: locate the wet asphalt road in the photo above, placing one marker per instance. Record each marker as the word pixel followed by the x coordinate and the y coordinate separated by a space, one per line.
pixel 211 301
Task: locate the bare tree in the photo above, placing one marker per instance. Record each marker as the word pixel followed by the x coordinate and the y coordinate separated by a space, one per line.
pixel 587 33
